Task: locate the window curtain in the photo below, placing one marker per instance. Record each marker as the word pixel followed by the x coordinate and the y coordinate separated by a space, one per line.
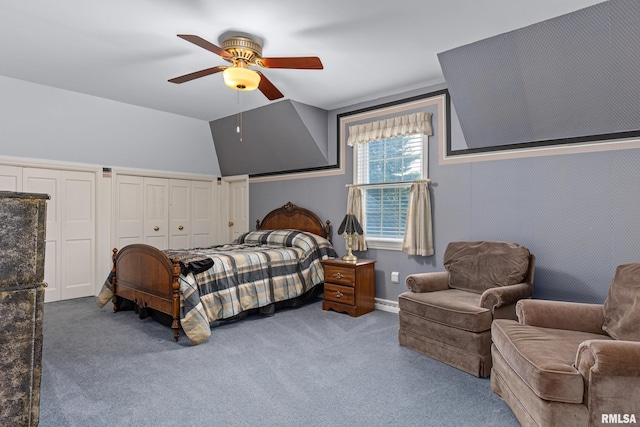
pixel 410 124
pixel 354 206
pixel 418 232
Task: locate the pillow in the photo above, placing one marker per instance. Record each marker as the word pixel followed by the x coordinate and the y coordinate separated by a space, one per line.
pixel 308 242
pixel 478 266
pixel 622 306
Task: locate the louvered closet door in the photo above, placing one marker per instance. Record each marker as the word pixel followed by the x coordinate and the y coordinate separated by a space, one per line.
pixel 49 181
pixel 78 235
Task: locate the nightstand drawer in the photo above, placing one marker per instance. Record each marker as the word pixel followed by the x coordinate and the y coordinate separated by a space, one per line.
pixel 337 293
pixel 340 275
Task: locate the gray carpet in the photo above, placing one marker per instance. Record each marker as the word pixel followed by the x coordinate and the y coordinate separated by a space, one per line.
pixel 300 367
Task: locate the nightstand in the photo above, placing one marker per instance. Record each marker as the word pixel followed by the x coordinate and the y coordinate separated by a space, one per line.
pixel 349 287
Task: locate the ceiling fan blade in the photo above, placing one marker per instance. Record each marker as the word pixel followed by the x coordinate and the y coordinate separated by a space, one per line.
pixel 197 74
pixel 199 41
pixel 300 62
pixel 268 89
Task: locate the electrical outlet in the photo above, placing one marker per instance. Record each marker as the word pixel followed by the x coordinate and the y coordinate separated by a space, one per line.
pixel 394 277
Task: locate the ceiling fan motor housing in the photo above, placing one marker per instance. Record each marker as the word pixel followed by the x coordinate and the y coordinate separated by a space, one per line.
pixel 243 49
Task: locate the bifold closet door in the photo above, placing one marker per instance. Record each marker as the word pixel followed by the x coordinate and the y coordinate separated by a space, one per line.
pixel 180 214
pixel 142 211
pixel 10 178
pixel 78 234
pixel 71 227
pixel 156 212
pixel 191 220
pixel 49 181
pixel 202 217
pixel 129 212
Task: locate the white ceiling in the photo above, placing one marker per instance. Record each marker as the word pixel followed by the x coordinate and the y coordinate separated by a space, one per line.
pixel 126 50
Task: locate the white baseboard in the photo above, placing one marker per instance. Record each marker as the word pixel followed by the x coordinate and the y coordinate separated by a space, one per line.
pixel 387 305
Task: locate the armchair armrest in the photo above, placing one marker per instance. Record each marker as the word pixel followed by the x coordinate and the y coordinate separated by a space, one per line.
pixel 570 316
pixel 505 295
pixel 428 282
pixel 609 357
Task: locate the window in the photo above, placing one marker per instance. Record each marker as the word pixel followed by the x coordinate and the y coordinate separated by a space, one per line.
pixel 386 168
pixel 386 164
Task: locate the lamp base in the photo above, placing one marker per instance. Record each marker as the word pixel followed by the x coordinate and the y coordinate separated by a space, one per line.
pixel 350 258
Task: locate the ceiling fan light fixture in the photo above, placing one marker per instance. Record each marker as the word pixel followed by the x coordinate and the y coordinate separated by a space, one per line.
pixel 241 78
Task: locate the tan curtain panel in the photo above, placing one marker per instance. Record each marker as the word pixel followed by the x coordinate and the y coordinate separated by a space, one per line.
pixel 410 124
pixel 418 232
pixel 354 206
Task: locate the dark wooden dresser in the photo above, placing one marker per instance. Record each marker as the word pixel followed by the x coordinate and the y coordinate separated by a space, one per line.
pixel 349 287
pixel 22 240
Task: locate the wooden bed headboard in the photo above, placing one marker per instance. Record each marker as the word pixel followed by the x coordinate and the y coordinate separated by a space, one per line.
pixel 294 217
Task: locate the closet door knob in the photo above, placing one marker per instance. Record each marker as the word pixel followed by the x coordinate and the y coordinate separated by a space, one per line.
pixel 156 228
pixel 180 227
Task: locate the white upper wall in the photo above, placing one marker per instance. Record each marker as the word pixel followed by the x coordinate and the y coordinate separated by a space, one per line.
pixel 42 122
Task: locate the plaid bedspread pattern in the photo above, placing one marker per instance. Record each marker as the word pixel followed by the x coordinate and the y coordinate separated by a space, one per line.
pixel 258 269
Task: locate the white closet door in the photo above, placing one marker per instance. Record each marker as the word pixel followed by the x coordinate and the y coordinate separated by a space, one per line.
pixel 180 215
pixel 238 205
pixel 156 212
pixel 202 213
pixel 10 178
pixel 78 235
pixel 129 212
pixel 48 181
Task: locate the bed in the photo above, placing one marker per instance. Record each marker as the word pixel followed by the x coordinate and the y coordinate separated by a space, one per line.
pixel 278 264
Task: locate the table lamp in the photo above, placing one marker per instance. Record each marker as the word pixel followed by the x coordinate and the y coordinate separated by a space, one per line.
pixel 348 228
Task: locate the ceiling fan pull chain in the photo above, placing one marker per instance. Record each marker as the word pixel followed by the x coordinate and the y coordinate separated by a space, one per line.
pixel 239 127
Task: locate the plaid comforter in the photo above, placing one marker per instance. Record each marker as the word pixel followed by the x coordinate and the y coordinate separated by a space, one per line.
pixel 257 269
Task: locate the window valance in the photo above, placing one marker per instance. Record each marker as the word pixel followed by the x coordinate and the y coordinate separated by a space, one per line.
pixel 410 124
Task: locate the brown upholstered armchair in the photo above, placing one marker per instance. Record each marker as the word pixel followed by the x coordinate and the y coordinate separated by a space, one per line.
pixel 447 315
pixel 572 364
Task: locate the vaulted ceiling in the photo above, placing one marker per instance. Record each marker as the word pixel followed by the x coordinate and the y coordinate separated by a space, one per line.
pixel 127 50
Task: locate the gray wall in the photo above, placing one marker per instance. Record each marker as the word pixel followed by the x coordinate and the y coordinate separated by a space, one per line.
pixel 43 122
pixel 576 212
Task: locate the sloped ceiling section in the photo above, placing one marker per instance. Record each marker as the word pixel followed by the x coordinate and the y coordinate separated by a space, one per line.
pixel 568 79
pixel 278 138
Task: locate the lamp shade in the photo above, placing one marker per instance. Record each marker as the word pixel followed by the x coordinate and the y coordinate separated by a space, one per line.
pixel 350 225
pixel 241 78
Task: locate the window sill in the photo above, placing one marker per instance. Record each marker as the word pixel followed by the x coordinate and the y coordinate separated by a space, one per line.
pixel 385 244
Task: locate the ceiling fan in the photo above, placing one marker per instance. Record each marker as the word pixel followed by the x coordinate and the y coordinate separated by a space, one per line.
pixel 243 52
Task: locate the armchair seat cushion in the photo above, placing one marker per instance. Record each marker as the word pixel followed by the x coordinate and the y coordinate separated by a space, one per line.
pixel 453 307
pixel 543 358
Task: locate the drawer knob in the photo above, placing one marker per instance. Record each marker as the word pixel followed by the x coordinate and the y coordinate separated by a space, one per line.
pixel 338 275
pixel 156 228
pixel 338 294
